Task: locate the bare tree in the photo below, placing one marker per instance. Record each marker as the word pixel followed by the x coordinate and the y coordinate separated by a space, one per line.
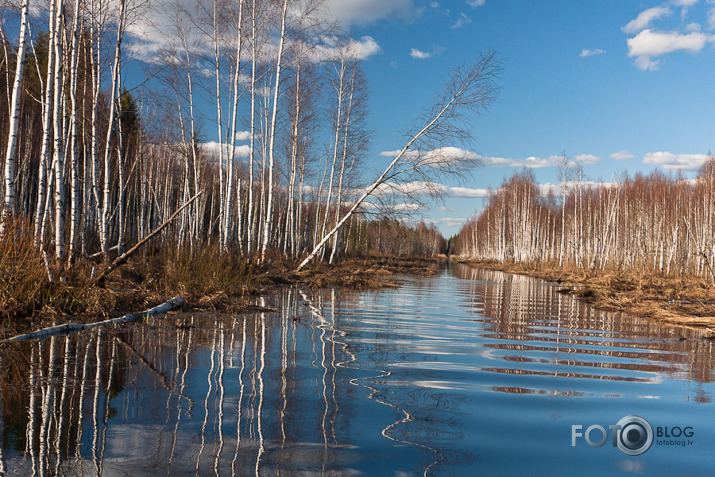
pixel 471 88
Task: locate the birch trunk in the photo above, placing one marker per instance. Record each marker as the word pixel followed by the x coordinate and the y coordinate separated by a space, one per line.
pixel 58 135
pixel 272 133
pixel 11 155
pixel 75 206
pixel 232 147
pixel 42 189
pixel 106 207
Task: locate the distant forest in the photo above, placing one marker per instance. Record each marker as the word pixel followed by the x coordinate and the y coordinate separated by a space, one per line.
pixel 651 223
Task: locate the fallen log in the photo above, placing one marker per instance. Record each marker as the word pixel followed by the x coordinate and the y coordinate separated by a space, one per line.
pixel 122 259
pixel 174 303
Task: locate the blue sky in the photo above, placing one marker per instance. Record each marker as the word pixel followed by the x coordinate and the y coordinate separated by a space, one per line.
pixel 620 86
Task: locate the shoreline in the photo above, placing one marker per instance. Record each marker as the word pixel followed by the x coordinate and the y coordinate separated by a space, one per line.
pixel 675 301
pixel 221 284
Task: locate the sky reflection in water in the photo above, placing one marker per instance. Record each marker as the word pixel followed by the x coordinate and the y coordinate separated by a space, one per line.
pixel 469 372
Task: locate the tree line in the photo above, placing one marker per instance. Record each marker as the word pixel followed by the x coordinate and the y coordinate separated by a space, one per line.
pixel 653 223
pixel 92 165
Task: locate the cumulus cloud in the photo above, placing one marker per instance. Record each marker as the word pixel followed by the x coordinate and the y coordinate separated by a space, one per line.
pixel 211 149
pixel 644 19
pixel 586 159
pixel 476 3
pixel 419 54
pixel 332 47
pixel 671 161
pixel 467 192
pixel 586 52
pixel 622 155
pixel 649 44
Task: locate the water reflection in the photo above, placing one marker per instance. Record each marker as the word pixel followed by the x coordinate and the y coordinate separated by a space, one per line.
pixel 549 333
pixel 448 375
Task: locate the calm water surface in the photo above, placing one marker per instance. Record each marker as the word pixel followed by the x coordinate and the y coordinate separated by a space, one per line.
pixel 472 372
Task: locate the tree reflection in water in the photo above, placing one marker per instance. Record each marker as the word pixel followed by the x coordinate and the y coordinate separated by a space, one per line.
pixel 332 382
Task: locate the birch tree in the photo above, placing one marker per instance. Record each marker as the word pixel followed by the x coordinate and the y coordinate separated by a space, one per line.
pixel 469 89
pixel 11 155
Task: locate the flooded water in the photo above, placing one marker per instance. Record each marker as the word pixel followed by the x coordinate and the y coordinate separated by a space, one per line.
pixel 471 372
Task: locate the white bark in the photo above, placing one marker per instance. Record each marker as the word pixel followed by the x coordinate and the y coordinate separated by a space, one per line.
pixel 75 207
pixel 272 133
pixel 11 155
pixel 232 146
pixel 59 154
pixel 106 206
pixel 42 188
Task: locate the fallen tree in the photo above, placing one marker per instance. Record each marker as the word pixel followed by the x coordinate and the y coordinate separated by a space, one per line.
pixel 428 154
pixel 122 259
pixel 174 303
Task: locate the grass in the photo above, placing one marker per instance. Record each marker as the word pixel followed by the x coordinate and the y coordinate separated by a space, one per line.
pixel 206 276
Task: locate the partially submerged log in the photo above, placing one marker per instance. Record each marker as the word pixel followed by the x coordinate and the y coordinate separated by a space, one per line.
pixel 174 303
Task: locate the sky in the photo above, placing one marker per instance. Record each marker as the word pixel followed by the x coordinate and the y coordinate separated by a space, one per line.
pixel 619 86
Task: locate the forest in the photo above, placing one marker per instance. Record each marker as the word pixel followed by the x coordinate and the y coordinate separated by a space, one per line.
pixel 652 223
pixel 95 162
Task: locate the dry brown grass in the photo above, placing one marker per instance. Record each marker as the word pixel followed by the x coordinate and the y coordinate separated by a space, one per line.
pixel 206 276
pixel 360 273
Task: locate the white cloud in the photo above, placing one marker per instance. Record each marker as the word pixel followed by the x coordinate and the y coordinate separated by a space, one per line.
pixel 449 221
pixel 422 188
pixel 403 207
pixel 365 12
pixel 586 159
pixel 440 157
pixel 533 162
pixel 586 52
pixel 668 160
pixel 711 18
pixel 418 54
pixel 211 148
pixel 463 20
pixel 644 19
pixel 331 48
pixel 685 6
pixel 476 3
pixel 467 192
pixel 649 44
pixel 693 26
pixel 622 155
